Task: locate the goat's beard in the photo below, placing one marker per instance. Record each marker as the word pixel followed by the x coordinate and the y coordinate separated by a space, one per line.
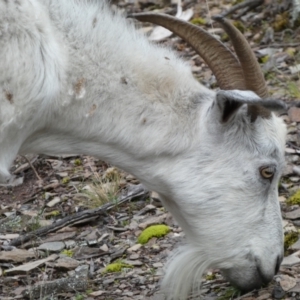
pixel 186 265
pixel 184 271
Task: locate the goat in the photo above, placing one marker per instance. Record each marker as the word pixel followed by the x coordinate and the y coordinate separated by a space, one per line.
pixel 77 78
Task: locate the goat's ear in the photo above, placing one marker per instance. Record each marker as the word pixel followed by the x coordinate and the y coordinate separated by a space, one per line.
pixel 229 102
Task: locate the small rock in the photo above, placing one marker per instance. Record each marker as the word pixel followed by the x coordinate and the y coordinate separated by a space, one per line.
pixel 290 260
pixel 293 215
pixel 296 246
pixel 82 271
pixel 158 265
pixel 290 151
pixel 52 246
pixel 16 255
pixel 296 169
pixel 97 293
pixel 70 244
pixel 108 281
pixel 53 202
pixel 134 248
pixel 133 262
pixel 153 221
pixel 59 237
pixel 25 268
pixel 104 248
pixel 62 174
pixel 134 256
pixel 103 236
pixel 155 200
pixel 146 209
pixel 287 282
pixel 264 297
pixel 133 225
pixel 282 199
pixel 278 292
pixel 295 289
pixel 94 235
pixel 9 236
pixel 159 272
pixel 66 263
pixel 294 114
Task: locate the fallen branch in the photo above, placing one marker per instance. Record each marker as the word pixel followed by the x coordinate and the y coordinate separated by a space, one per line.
pixel 283 45
pixel 58 286
pixel 81 217
pixel 33 168
pixel 248 5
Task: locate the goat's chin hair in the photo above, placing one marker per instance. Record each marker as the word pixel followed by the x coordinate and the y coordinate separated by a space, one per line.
pixel 184 270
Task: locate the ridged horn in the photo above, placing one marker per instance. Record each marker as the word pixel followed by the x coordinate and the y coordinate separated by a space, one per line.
pixel 253 75
pixel 254 78
pixel 218 57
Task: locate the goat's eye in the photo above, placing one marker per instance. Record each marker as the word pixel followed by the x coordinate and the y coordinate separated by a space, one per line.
pixel 267 172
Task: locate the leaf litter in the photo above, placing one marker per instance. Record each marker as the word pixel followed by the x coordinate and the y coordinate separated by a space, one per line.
pixel 65 257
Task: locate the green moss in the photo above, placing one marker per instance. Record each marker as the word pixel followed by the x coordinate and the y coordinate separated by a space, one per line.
pixel 54 213
pixel 210 277
pixel 293 89
pixel 264 59
pixel 230 293
pixel 224 37
pixel 153 231
pixel 198 21
pixel 67 252
pixel 240 26
pixel 281 21
pixel 77 162
pixel 65 180
pixel 289 239
pixel 34 225
pixel 291 51
pixel 116 267
pixel 294 199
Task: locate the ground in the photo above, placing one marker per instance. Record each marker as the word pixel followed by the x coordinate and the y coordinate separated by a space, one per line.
pixel 73 242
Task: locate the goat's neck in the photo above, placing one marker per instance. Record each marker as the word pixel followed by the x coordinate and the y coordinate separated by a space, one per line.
pixel 138 130
pixel 128 102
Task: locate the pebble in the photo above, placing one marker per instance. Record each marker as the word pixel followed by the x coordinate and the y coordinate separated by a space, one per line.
pixel 278 292
pixel 134 248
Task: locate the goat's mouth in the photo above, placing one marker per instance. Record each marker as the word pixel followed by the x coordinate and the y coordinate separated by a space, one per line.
pixel 247 280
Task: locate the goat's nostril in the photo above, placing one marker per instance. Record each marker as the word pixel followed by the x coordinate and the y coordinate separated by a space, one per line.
pixel 278 263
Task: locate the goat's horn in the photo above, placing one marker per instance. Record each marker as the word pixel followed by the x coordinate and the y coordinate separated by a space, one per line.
pixel 254 78
pixel 218 57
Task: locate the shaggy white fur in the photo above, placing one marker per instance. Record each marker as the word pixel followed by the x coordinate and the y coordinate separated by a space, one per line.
pixel 77 78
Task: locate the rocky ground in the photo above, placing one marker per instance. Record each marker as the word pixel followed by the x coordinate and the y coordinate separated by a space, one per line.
pixel 64 219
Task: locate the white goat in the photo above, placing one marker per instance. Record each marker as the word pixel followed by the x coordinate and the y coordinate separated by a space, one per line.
pixel 76 78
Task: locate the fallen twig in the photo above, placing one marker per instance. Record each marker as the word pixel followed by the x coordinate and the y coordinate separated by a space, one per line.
pixel 283 45
pixel 33 168
pixel 250 4
pixel 81 217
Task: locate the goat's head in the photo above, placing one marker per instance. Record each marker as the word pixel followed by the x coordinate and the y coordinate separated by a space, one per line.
pixel 227 200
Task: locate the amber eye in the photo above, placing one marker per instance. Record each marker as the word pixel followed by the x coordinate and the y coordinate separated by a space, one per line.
pixel 267 172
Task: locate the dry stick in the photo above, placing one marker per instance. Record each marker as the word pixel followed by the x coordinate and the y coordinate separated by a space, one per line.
pixel 283 45
pixel 247 4
pixel 33 168
pixel 81 217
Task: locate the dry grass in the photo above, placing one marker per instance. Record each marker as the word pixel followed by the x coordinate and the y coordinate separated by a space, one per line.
pixel 104 188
